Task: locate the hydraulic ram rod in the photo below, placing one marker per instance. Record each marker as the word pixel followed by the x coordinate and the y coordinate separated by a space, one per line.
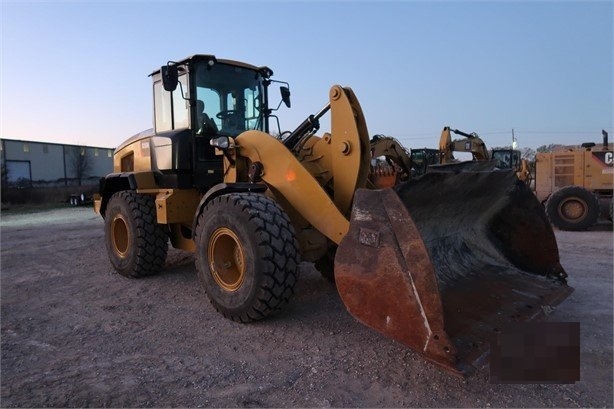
pixel 311 124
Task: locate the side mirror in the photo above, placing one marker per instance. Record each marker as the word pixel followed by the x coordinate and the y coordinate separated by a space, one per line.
pixel 170 77
pixel 285 95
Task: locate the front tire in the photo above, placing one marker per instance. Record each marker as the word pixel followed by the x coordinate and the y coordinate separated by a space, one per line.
pixel 246 256
pixel 573 208
pixel 137 245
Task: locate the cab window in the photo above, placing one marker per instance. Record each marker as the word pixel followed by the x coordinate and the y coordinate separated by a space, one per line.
pixel 170 109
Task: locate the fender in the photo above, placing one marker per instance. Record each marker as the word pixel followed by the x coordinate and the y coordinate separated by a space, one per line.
pixel 287 177
pixel 222 189
pixel 115 182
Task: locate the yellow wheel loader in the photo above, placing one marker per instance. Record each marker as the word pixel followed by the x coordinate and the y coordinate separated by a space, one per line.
pixel 576 185
pixel 512 159
pixel 438 263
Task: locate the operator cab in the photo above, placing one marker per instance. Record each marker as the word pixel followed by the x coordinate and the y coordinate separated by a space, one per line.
pixel 232 97
pixel 198 99
pixel 506 158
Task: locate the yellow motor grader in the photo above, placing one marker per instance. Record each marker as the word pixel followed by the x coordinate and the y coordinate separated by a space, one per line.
pixel 438 262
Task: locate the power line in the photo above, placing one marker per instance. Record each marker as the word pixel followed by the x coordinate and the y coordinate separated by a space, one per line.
pixel 425 136
pixel 554 132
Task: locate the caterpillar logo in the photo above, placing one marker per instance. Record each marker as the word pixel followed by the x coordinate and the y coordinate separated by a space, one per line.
pixel 605 158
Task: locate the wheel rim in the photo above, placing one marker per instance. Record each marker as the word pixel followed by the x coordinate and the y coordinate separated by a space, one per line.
pixel 226 259
pixel 120 235
pixel 573 209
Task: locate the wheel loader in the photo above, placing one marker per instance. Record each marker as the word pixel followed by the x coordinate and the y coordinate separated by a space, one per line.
pixel 576 184
pixel 438 263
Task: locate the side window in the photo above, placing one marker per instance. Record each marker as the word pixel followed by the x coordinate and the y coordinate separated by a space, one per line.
pixel 516 159
pixel 235 122
pixel 162 108
pixel 231 102
pixel 165 108
pixel 252 108
pixel 180 106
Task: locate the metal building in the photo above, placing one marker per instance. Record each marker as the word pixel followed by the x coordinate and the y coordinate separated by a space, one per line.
pixel 45 164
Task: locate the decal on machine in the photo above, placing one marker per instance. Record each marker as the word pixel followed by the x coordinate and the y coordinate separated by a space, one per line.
pixel 605 159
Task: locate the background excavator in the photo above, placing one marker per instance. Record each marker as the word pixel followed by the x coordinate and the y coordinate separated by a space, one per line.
pixel 436 262
pixel 471 143
pixel 504 158
pixel 394 163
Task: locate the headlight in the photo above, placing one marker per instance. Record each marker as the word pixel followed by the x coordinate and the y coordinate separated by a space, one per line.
pixel 221 142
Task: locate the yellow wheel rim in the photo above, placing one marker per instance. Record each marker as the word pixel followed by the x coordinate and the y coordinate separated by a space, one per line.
pixel 573 209
pixel 226 259
pixel 120 235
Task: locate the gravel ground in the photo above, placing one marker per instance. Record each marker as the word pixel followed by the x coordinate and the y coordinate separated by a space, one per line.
pixel 75 333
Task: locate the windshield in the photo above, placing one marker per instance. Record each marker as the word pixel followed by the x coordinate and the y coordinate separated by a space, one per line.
pixel 507 158
pixel 232 98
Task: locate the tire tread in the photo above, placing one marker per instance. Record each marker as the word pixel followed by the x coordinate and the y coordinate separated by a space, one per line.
pixel 151 238
pixel 587 196
pixel 276 240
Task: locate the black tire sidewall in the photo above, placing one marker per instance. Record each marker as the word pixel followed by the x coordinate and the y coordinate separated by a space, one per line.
pixel 573 192
pixel 270 253
pixel 147 244
pixel 117 206
pixel 230 301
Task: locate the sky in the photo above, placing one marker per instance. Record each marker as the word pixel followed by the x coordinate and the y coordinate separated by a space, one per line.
pixel 76 72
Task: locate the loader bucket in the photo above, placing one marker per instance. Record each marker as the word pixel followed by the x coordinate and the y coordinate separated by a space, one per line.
pixel 441 263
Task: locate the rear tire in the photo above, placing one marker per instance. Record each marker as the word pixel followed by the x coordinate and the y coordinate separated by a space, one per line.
pixel 246 256
pixel 137 245
pixel 573 208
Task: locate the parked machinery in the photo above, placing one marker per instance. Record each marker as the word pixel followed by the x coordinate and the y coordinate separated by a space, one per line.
pixel 504 158
pixel 512 159
pixel 471 143
pixel 576 184
pixel 436 262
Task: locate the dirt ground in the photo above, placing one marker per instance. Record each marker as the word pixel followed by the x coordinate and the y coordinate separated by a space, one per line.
pixel 74 333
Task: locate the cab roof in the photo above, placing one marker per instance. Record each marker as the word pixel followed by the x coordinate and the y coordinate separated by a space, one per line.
pixel 208 57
